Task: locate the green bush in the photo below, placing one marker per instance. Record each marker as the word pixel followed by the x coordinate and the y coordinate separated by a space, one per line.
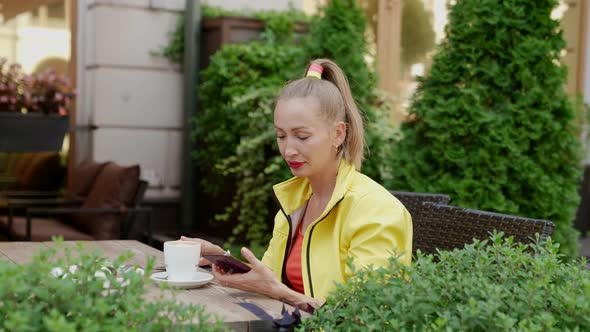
pixel 502 286
pixel 492 126
pixel 34 297
pixel 237 156
pixel 238 159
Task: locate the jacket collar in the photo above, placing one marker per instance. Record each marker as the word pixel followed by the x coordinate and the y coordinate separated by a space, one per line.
pixel 295 192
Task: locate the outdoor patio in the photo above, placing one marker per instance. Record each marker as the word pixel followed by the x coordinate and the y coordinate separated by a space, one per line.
pixel 127 124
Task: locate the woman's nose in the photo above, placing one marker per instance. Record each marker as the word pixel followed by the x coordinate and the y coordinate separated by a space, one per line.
pixel 290 149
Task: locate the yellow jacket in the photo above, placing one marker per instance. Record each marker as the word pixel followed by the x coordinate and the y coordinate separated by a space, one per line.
pixel 362 220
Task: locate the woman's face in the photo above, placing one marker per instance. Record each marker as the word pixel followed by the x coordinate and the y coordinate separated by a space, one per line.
pixel 307 141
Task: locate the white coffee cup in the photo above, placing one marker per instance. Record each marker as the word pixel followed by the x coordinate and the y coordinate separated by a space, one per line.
pixel 181 259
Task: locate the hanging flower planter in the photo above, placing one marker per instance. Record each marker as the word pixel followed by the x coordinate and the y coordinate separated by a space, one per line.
pixel 32 132
pixel 33 109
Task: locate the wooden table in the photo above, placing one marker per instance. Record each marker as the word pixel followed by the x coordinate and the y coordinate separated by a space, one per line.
pixel 218 300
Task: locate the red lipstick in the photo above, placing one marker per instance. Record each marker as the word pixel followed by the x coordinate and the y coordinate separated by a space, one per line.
pixel 295 164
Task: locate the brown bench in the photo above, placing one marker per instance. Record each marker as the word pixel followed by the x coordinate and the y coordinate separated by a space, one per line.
pixel 101 204
pixel 32 171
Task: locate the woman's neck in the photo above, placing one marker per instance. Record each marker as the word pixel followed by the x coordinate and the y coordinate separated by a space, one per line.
pixel 322 185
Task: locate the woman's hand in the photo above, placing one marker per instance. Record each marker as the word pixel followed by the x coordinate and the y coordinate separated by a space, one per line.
pixel 207 248
pixel 260 279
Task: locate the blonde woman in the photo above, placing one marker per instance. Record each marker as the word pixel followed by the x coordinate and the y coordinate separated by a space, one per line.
pixel 329 210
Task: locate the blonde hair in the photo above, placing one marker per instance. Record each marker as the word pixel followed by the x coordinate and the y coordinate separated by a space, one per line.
pixel 336 104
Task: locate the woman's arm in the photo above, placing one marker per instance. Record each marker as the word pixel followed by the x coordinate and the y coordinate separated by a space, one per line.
pixel 383 232
pixel 262 280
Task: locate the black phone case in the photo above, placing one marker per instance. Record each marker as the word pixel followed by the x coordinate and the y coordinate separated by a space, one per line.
pixel 227 263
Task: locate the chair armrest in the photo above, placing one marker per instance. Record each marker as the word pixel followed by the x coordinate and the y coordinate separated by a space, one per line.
pixel 52 211
pixel 7 179
pixel 38 211
pixel 32 194
pixel 24 203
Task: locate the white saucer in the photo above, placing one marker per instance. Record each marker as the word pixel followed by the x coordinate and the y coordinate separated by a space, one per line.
pixel 200 279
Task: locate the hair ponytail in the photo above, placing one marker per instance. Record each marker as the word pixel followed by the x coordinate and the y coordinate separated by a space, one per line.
pixel 336 101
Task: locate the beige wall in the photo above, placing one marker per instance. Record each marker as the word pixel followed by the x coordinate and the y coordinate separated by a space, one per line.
pixel 572 32
pixel 586 55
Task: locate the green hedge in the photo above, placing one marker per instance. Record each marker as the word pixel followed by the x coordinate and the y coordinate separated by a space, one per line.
pixel 492 126
pixel 35 298
pixel 503 286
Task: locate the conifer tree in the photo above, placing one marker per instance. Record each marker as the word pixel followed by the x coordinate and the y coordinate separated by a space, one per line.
pixel 491 124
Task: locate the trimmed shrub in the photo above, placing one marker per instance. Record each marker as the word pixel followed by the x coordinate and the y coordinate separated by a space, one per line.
pixel 492 285
pixel 236 153
pixel 37 297
pixel 491 124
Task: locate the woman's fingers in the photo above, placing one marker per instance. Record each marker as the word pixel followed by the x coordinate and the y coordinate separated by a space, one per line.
pixel 207 248
pixel 204 262
pixel 249 256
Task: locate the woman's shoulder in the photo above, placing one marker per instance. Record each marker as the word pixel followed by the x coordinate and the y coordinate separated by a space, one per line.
pixel 363 188
pixel 370 204
pixel 364 185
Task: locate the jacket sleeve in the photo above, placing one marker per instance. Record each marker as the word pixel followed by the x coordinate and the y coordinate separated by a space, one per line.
pixel 378 231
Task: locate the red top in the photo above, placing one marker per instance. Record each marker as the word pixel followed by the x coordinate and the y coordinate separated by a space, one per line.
pixel 293 269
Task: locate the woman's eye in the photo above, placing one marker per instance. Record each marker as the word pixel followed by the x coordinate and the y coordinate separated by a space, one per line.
pixel 303 138
pixel 280 136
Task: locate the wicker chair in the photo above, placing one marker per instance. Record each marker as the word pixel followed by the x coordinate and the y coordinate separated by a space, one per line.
pixel 413 201
pixel 444 227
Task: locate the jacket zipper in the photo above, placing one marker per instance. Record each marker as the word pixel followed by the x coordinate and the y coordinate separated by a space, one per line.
pixel 284 268
pixel 309 246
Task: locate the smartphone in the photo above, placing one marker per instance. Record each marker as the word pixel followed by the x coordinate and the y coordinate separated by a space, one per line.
pixel 228 263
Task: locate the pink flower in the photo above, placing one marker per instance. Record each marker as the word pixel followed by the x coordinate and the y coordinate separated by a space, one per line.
pixel 45 92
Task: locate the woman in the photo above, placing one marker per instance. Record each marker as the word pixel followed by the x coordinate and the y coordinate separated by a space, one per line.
pixel 329 211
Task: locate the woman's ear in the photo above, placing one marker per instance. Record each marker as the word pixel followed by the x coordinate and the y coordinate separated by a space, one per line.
pixel 339 133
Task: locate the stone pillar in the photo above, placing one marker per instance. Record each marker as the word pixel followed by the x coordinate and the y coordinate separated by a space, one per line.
pixel 129 108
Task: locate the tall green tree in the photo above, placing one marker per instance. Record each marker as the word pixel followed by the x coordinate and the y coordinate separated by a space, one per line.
pixel 492 125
